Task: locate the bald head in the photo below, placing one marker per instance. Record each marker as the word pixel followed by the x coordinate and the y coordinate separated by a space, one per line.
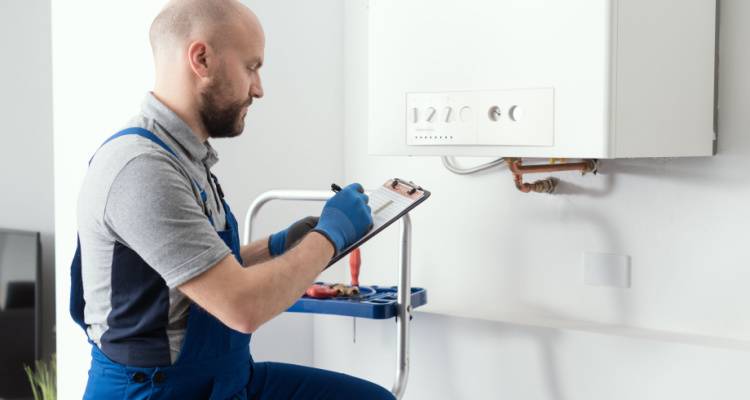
pixel 215 21
pixel 208 54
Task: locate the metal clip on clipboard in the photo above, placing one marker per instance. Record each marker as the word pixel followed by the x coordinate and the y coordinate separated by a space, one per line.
pixel 414 188
pixel 406 297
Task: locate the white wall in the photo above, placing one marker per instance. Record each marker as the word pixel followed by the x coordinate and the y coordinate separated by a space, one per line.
pixel 103 68
pixel 26 136
pixel 459 358
pixel 681 221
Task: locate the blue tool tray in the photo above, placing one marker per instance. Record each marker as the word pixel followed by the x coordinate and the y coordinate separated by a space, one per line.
pixel 374 302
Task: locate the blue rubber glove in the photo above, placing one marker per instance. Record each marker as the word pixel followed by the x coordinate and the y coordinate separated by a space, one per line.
pixel 280 242
pixel 346 217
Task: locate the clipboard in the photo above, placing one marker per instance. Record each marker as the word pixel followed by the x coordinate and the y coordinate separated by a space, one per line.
pixel 391 201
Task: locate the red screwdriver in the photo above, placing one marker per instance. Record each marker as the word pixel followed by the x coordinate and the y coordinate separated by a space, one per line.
pixel 355 261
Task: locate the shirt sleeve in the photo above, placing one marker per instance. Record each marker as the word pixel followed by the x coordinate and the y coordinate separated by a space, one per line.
pixel 153 210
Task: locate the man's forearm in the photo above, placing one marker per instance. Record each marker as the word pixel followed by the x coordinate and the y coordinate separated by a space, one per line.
pixel 281 281
pixel 255 253
pixel 245 298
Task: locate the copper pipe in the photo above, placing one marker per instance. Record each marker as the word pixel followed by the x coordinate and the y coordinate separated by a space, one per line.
pixel 546 185
pixel 542 186
pixel 518 168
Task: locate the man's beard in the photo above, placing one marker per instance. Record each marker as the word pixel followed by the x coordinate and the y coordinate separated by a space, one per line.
pixel 221 121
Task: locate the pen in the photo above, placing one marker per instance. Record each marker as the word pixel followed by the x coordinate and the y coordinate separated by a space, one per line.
pixel 336 188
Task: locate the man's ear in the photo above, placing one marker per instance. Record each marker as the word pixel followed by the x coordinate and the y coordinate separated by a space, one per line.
pixel 198 58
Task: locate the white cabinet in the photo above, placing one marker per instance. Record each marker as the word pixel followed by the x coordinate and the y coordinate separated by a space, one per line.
pixel 542 78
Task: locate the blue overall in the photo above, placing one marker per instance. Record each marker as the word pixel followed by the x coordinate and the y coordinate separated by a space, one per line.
pixel 215 360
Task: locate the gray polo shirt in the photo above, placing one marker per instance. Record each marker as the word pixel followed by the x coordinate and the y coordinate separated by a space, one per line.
pixel 139 195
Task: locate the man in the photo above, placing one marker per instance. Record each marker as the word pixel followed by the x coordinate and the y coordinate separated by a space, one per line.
pixel 158 282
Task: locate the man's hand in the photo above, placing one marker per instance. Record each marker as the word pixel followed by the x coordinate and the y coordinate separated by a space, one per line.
pixel 280 242
pixel 346 217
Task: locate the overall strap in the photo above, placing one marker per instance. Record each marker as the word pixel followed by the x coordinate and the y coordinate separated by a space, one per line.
pixel 142 133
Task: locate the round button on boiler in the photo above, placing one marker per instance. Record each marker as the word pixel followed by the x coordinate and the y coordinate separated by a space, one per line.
pixel 516 113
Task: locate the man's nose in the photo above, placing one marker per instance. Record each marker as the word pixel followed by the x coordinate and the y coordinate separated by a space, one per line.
pixel 256 90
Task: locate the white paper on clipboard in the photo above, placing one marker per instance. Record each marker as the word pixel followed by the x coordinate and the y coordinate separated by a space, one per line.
pixel 387 203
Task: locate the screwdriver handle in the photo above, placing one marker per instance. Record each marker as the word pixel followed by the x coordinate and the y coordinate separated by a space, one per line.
pixel 355 261
pixel 321 292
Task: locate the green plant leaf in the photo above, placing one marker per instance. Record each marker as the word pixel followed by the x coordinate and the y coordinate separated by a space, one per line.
pixel 43 379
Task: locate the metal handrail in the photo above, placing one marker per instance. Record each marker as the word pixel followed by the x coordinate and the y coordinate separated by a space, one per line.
pixel 403 318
